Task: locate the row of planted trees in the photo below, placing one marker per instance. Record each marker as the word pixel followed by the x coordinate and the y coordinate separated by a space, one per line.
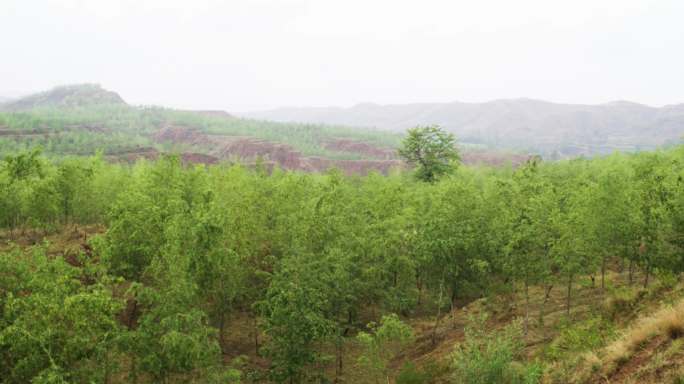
pixel 309 257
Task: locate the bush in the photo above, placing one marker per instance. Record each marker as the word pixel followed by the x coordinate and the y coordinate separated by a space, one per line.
pixel 431 372
pixel 583 336
pixel 409 374
pixel 380 346
pixel 490 357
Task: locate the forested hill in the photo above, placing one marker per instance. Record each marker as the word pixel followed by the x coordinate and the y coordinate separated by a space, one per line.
pixel 80 95
pixel 551 129
pixel 84 119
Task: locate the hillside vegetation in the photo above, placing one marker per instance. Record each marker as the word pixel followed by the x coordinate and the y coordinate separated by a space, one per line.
pixel 550 129
pixel 160 272
pixel 82 119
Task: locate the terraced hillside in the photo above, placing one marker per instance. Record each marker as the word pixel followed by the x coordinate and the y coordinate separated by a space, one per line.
pixel 84 119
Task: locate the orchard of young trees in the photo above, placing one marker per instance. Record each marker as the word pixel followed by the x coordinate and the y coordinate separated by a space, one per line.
pixel 309 257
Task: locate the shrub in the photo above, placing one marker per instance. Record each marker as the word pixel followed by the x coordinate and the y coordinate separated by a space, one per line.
pixel 382 345
pixel 485 358
pixel 409 374
pixel 583 336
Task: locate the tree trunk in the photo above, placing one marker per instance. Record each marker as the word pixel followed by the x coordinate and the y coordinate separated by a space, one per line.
pixel 256 336
pixel 419 286
pixel 453 312
pixel 567 302
pixel 603 274
pixel 631 272
pixel 547 295
pixel 439 313
pixel 134 370
pixel 527 308
pixel 340 364
pixel 621 266
pixel 222 327
pixel 338 350
pixel 648 273
pixel 106 367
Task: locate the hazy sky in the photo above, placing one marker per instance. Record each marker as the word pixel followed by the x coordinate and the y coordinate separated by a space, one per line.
pixel 243 55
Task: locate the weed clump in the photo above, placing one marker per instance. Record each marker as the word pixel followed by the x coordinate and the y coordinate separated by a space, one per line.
pixel 492 357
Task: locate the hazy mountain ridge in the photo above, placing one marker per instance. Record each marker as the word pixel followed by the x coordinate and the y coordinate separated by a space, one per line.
pixel 78 95
pixel 552 129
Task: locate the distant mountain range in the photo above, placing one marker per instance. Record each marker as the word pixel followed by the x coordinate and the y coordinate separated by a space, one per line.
pixel 524 126
pixel 551 129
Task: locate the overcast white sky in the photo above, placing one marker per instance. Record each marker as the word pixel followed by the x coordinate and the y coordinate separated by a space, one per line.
pixel 241 55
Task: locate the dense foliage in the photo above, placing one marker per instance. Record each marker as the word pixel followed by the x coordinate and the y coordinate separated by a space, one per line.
pixel 310 257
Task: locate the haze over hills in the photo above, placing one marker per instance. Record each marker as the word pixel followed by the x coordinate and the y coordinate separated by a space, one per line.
pixel 79 95
pixel 81 119
pixel 551 129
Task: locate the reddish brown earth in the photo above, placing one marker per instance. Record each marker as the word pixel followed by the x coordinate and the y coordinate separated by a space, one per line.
pixel 346 145
pixel 249 150
pixel 351 167
pixel 149 153
pixel 496 159
pixel 133 154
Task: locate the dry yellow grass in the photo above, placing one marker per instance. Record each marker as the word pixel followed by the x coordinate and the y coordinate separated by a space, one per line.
pixel 668 323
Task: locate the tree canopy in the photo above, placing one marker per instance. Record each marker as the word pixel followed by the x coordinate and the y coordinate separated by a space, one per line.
pixel 431 150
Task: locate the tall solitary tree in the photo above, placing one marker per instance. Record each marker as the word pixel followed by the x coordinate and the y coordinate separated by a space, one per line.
pixel 431 150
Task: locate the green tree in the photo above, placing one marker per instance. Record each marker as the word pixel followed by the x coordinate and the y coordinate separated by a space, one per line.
pixel 530 206
pixel 55 329
pixel 572 248
pixel 72 184
pixel 655 198
pixel 382 344
pixel 615 230
pixel 295 311
pixel 18 174
pixel 432 150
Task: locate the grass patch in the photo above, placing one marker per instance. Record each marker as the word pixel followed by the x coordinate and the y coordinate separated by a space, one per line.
pixel 623 302
pixel 668 322
pixel 579 337
pixel 488 356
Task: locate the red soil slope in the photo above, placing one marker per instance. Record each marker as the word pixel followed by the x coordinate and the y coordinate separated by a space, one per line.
pixel 249 149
